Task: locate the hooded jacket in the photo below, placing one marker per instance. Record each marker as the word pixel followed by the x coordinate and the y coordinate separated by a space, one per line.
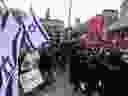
pixel 96 24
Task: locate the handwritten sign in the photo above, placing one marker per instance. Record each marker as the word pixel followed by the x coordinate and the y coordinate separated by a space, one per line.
pixel 104 39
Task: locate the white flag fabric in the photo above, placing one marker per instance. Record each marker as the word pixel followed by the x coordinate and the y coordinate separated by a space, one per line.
pixel 29 34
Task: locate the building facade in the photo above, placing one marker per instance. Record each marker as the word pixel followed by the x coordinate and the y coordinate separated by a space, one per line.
pixel 55 28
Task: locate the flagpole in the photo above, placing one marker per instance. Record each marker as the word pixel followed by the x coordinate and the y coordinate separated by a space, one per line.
pixel 69 20
pixel 70 12
pixel 67 73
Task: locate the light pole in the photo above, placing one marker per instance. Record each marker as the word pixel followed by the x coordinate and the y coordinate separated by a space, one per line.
pixel 69 20
pixel 69 31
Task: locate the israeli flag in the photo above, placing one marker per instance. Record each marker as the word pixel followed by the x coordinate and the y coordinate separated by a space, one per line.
pixel 26 33
pixel 33 35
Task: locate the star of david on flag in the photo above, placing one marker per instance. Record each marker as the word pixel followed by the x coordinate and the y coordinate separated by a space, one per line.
pixel 15 40
pixel 36 38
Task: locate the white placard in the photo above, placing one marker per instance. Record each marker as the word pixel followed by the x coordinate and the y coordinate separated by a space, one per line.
pixel 31 80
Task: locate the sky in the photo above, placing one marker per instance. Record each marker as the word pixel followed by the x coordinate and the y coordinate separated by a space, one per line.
pixel 82 9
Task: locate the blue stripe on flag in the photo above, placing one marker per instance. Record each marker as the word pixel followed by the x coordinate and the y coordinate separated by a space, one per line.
pixel 9 89
pixel 1 79
pixel 42 31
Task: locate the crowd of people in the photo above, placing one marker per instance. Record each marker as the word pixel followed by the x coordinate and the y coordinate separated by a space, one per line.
pixel 86 70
